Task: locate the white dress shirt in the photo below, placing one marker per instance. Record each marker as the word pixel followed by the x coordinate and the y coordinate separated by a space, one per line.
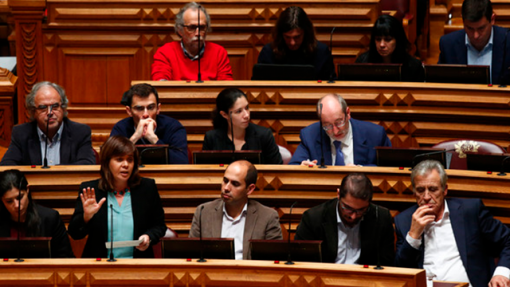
pixel 347 148
pixel 234 228
pixel 349 245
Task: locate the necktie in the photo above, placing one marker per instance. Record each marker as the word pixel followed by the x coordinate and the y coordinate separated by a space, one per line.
pixel 339 154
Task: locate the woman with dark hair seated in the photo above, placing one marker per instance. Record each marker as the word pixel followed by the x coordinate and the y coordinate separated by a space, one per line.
pixel 134 201
pixel 389 45
pixel 232 106
pixel 34 220
pixel 294 43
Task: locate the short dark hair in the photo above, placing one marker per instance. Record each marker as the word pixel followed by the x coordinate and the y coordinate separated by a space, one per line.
pixel 251 174
pixel 293 17
pixel 140 90
pixel 385 26
pixel 224 101
pixel 117 146
pixel 14 178
pixel 474 10
pixel 358 185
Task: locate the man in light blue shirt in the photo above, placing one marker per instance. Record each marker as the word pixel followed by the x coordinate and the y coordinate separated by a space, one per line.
pixel 479 43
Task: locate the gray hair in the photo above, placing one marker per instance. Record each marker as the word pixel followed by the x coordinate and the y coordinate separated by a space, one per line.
pixel 30 99
pixel 339 98
pixel 427 166
pixel 179 18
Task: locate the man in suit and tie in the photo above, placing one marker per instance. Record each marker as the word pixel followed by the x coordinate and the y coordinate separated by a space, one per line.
pixel 65 141
pixel 345 141
pixel 234 215
pixel 453 239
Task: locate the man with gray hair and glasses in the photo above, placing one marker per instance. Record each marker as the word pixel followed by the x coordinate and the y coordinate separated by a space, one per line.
pixel 345 141
pixel 453 239
pixel 66 142
pixel 179 60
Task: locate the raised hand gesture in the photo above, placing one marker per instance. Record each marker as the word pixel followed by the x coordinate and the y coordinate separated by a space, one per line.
pixel 90 205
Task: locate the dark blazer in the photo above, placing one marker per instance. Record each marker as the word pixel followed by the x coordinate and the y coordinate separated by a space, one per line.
pixel 479 237
pixel 365 136
pixel 257 138
pixel 51 226
pixel 454 51
pixel 262 222
pixel 148 217
pixel 25 147
pixel 412 68
pixel 376 233
pixel 169 131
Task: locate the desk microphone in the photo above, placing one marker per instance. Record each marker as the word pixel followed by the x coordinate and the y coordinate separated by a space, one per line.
pixel 503 163
pixel 322 165
pixel 427 155
pixel 378 267
pixel 111 236
pixel 232 132
pixel 201 242
pixel 289 257
pixel 199 76
pixel 19 223
pixel 45 161
pixel 332 74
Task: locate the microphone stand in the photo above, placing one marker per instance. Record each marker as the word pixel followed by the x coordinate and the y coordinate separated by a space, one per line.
pixel 232 133
pixel 201 242
pixel 45 160
pixel 332 74
pixel 199 76
pixel 378 267
pixel 19 223
pixel 503 163
pixel 111 236
pixel 322 165
pixel 289 257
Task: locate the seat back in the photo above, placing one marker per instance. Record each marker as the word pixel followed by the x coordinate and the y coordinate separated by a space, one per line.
pixel 285 153
pixel 460 146
pixel 401 6
pixel 156 248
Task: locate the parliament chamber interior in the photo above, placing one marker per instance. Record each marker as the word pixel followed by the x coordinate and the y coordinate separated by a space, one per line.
pixel 97 50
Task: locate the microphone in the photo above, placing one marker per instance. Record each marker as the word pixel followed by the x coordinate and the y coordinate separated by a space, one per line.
pixel 428 154
pixel 322 165
pixel 19 223
pixel 199 76
pixel 332 74
pixel 111 236
pixel 289 257
pixel 45 160
pixel 503 163
pixel 201 242
pixel 502 82
pixel 232 133
pixel 378 267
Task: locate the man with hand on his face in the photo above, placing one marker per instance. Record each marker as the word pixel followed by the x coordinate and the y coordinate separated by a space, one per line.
pixel 353 230
pixel 452 239
pixel 345 141
pixel 234 215
pixel 146 126
pixel 66 142
pixel 178 60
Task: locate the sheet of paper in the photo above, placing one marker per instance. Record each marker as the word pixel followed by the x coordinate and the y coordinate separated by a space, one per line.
pixel 129 243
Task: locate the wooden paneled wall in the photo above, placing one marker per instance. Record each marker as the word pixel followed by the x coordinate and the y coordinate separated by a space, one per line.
pixel 184 187
pixel 96 48
pixel 413 114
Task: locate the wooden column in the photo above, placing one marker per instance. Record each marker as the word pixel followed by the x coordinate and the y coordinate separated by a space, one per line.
pixel 7 89
pixel 28 18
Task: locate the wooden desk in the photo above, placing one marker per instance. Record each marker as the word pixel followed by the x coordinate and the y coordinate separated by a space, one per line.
pixel 178 272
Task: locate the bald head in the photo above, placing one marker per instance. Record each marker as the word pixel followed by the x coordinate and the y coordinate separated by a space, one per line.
pixel 335 116
pixel 248 169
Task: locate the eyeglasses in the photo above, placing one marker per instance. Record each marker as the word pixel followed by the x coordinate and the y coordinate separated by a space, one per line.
pixel 339 124
pixel 193 28
pixel 141 109
pixel 45 108
pixel 349 210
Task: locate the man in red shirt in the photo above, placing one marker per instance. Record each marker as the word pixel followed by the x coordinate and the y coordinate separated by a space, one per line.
pixel 179 60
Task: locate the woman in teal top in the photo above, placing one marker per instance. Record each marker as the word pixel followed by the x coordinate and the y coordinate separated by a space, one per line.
pixel 137 210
